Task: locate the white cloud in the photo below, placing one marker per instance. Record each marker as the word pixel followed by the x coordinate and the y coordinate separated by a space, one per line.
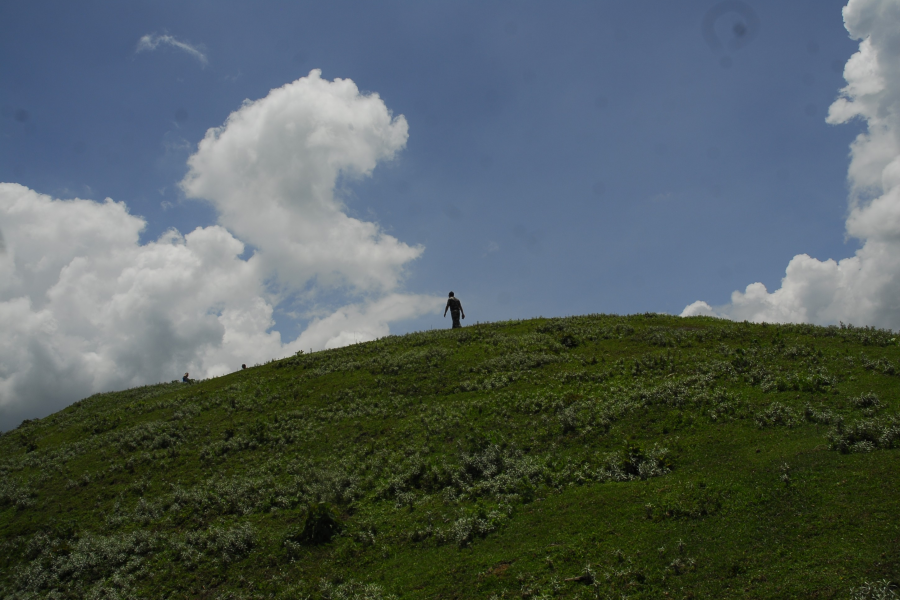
pixel 271 172
pixel 357 323
pixel 864 288
pixel 85 307
pixel 698 309
pixel 151 41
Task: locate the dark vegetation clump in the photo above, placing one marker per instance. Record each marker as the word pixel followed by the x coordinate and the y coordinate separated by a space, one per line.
pixel 319 523
pixel 587 457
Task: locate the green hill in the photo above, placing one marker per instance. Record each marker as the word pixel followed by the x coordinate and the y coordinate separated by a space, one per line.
pixel 588 457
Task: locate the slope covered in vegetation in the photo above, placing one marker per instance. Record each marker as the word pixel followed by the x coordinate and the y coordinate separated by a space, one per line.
pixel 588 457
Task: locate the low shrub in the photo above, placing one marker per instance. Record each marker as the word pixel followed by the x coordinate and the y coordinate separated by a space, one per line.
pixel 867 400
pixel 319 524
pixel 875 590
pixel 865 435
pixel 777 414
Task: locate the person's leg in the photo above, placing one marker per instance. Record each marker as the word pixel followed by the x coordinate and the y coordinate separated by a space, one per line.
pixel 456 323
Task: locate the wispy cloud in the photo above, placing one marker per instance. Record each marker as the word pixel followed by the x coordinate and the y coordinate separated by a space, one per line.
pixel 151 41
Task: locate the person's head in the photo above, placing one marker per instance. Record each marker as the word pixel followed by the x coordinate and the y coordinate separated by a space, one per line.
pixel 243 366
pixel 185 374
pixel 451 294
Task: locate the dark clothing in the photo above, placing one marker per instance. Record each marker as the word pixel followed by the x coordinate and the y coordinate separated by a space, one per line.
pixel 455 307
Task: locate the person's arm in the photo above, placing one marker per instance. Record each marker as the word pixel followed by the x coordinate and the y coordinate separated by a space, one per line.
pixel 461 311
pixel 446 307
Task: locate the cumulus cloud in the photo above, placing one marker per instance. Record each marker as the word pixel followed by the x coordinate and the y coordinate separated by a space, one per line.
pixel 864 288
pixel 364 322
pixel 85 307
pixel 151 41
pixel 271 169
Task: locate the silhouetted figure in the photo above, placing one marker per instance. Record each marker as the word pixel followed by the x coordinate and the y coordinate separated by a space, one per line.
pixel 243 367
pixel 185 379
pixel 456 310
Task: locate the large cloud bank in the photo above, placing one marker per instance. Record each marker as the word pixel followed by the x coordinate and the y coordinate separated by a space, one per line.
pixel 85 307
pixel 865 288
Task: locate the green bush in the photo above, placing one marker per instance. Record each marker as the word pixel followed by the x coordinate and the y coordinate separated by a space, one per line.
pixel 319 524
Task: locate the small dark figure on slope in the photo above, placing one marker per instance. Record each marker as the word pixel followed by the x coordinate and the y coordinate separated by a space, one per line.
pixel 456 310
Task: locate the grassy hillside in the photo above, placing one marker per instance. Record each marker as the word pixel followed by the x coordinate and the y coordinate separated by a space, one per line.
pixel 589 457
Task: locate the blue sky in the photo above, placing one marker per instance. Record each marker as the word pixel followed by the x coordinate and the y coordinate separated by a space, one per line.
pixel 562 158
pixel 710 176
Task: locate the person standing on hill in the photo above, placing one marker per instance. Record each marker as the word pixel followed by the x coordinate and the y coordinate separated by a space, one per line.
pixel 456 309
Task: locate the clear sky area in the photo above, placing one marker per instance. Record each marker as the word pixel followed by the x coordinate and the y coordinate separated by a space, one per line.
pixel 189 186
